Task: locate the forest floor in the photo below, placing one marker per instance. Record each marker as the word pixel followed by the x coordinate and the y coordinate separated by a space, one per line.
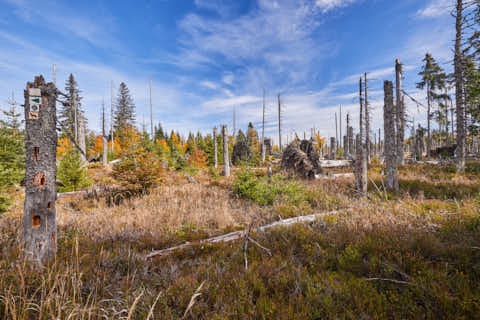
pixel 415 254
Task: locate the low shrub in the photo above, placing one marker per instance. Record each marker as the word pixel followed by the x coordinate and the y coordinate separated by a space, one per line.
pixel 265 191
pixel 139 172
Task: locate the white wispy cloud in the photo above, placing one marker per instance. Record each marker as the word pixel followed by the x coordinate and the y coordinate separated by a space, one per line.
pixel 94 27
pixel 327 5
pixel 436 8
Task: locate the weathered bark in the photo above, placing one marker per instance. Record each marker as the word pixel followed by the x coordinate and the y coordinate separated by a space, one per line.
pixel 361 154
pixel 358 166
pixel 345 146
pixel 215 148
pixel 226 161
pixel 367 122
pixel 263 129
pixel 332 148
pixel 39 215
pixel 81 138
pixel 279 124
pixel 349 138
pixel 400 110
pixel 104 138
pixel 350 141
pixel 429 137
pixel 418 145
pixel 460 154
pixel 389 132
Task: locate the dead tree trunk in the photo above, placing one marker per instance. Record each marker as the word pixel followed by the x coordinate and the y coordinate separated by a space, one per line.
pixel 429 138
pixel 361 154
pixel 389 140
pixel 458 61
pixel 358 166
pixel 263 129
pixel 104 138
pixel 332 148
pixel 226 161
pixel 81 137
pixel 400 113
pixel 215 148
pixel 39 215
pixel 279 124
pixel 367 121
pixel 350 141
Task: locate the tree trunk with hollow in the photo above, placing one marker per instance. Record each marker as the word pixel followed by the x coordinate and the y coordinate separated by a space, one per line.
pixel 39 222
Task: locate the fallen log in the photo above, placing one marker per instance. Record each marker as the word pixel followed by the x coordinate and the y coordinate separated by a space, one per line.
pixel 335 163
pixel 241 234
pixel 335 175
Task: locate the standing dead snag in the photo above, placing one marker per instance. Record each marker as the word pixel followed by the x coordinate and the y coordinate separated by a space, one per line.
pixel 400 111
pixel 215 149
pixel 39 215
pixel 459 87
pixel 367 122
pixel 226 160
pixel 104 138
pixel 361 154
pixel 333 150
pixel 389 137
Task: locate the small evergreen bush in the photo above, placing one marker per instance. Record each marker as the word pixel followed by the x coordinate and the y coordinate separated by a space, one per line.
pixel 72 173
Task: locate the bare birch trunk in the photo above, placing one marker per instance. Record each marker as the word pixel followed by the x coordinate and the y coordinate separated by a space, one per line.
pixel 389 140
pixel 39 215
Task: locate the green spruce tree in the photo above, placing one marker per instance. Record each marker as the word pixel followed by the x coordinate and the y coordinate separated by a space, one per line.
pixel 124 111
pixel 433 79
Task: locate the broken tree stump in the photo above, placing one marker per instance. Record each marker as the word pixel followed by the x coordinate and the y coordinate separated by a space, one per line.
pixel 39 215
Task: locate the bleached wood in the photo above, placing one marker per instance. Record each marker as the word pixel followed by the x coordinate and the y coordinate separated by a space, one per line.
pixel 232 236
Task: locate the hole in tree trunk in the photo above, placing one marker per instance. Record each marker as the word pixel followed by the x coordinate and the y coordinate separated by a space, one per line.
pixel 39 179
pixel 50 206
pixel 36 151
pixel 53 241
pixel 35 221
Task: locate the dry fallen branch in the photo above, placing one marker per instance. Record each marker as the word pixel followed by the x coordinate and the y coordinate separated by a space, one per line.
pixel 240 234
pixel 389 280
pixel 192 299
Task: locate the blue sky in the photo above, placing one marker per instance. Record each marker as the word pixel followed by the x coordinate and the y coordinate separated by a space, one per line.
pixel 208 56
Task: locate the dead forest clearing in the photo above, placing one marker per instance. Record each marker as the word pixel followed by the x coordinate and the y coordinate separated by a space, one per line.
pixel 374 221
pixel 385 255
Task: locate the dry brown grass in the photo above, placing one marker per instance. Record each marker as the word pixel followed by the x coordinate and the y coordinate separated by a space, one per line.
pixel 317 270
pixel 169 209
